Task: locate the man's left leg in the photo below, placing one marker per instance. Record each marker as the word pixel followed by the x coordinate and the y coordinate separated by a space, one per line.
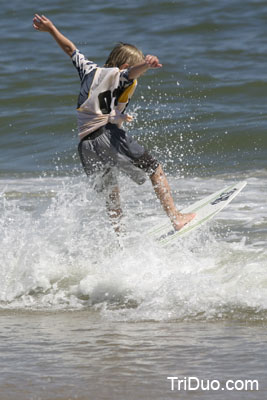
pixel 114 208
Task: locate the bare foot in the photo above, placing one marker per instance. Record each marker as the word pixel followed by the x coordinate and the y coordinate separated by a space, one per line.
pixel 180 220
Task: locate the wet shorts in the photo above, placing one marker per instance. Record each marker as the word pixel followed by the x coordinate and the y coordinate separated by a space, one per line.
pixel 110 148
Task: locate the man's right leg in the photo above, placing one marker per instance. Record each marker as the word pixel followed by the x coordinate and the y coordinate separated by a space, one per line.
pixel 163 192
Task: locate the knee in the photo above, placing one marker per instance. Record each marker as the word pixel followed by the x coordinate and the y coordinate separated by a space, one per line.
pixel 157 174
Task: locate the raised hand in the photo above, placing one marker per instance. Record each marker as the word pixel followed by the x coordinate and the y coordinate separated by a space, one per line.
pixel 152 61
pixel 41 23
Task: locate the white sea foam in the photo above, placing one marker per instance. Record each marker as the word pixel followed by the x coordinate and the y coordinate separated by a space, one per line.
pixel 58 251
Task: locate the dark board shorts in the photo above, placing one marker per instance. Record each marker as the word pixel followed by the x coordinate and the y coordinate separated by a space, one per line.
pixel 110 148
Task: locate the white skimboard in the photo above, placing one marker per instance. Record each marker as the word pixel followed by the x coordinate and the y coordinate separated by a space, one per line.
pixel 205 209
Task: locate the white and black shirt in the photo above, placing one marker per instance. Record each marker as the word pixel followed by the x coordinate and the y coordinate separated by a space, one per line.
pixel 104 91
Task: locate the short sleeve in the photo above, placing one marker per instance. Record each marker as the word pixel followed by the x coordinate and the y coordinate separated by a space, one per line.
pixel 82 64
pixel 124 79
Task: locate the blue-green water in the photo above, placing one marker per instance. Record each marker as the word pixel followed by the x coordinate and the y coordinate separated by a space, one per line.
pixel 211 89
pixel 80 318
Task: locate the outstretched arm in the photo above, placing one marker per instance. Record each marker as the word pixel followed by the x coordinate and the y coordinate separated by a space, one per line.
pixel 139 69
pixel 41 23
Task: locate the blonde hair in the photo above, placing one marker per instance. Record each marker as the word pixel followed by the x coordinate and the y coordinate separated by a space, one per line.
pixel 124 53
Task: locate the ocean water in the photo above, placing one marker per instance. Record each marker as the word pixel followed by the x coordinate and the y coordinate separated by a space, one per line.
pixel 83 315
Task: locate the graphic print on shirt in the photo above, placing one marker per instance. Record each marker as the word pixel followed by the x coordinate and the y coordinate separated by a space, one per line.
pixel 104 94
pixel 109 85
